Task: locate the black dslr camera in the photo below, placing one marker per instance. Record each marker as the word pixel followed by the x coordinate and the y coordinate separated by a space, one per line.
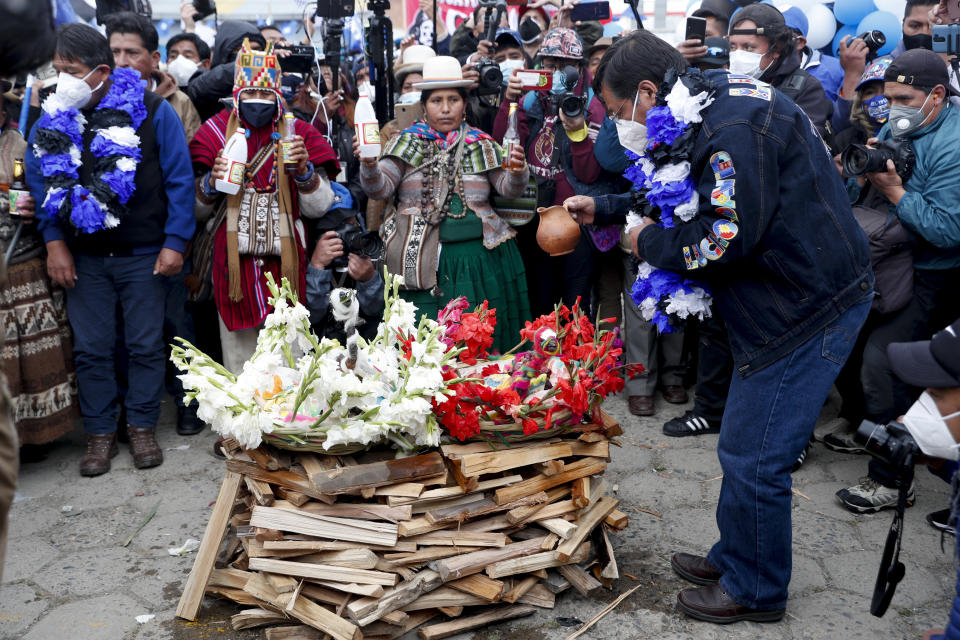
pixel 491 78
pixel 874 41
pixel 858 159
pixel 300 60
pixel 366 244
pixel 569 103
pixel 893 445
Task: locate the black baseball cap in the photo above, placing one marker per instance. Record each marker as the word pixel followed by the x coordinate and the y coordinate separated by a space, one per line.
pixel 721 9
pixel 718 52
pixel 770 22
pixel 921 68
pixel 929 363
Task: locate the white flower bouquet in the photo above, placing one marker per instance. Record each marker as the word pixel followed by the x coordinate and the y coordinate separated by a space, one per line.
pixel 303 393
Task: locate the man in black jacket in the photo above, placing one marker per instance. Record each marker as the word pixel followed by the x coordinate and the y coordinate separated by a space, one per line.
pixel 775 240
pixel 206 90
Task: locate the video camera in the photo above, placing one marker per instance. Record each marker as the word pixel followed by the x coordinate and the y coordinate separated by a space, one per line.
pixel 893 445
pixel 491 78
pixel 569 103
pixel 858 160
pixel 366 244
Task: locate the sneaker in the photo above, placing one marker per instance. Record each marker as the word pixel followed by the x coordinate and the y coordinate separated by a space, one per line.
pixel 939 519
pixel 803 456
pixel 869 496
pixel 843 443
pixel 690 424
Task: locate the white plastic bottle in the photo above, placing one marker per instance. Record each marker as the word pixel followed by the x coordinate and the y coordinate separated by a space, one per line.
pixel 368 129
pixel 235 152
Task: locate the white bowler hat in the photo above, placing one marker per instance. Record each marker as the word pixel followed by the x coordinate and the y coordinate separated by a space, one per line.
pixel 411 61
pixel 442 72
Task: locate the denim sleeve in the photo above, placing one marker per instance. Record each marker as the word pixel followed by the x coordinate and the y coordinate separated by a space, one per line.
pixel 370 296
pixel 612 209
pixel 177 174
pixel 318 293
pixel 734 202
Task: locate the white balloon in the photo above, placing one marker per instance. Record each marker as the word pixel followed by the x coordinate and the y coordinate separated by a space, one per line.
pixel 822 26
pixel 896 7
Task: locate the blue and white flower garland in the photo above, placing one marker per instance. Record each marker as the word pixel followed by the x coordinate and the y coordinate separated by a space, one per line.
pixel 115 145
pixel 664 190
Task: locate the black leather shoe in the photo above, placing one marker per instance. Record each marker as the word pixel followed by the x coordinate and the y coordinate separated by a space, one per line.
pixel 695 569
pixel 188 424
pixel 711 603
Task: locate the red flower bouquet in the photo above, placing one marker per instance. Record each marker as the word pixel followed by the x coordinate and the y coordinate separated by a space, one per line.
pixel 561 380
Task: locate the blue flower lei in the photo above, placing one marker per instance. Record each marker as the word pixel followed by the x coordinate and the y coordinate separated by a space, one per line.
pixel 664 191
pixel 115 145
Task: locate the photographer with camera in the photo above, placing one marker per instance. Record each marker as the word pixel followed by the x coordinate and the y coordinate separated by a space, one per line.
pixel 923 192
pixel 558 129
pixel 207 89
pixel 345 255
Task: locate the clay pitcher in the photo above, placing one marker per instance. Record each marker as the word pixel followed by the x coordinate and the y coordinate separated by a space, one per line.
pixel 558 233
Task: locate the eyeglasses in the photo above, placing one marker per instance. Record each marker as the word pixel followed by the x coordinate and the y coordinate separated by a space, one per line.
pixel 615 116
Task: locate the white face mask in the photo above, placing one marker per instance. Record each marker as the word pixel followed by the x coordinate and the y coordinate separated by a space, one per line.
pixel 507 67
pixel 410 97
pixel 632 134
pixel 746 63
pixel 182 69
pixel 930 429
pixel 73 92
pixel 367 88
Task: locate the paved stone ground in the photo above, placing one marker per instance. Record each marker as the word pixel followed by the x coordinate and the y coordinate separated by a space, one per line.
pixel 67 575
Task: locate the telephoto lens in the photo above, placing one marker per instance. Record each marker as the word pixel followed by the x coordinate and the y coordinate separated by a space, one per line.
pixel 858 160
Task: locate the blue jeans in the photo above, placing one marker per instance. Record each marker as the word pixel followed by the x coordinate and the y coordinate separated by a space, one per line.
pixel 768 420
pixel 102 282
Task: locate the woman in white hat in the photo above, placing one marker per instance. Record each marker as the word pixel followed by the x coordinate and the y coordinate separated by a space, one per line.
pixel 442 171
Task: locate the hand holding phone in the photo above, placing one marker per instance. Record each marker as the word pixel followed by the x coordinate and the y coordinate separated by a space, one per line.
pixel 596 10
pixel 696 29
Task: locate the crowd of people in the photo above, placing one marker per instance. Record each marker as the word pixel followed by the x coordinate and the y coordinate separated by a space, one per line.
pixel 128 237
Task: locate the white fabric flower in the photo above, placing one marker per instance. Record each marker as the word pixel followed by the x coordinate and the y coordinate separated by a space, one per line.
pixel 633 220
pixel 688 210
pixel 695 303
pixel 685 107
pixel 124 136
pixel 675 172
pixel 644 270
pixel 126 164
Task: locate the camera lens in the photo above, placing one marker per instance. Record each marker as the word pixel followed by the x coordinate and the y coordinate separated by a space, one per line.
pixel 571 106
pixel 858 160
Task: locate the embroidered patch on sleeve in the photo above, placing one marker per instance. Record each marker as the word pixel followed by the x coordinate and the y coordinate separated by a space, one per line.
pixel 722 166
pixel 723 193
pixel 762 93
pixel 732 79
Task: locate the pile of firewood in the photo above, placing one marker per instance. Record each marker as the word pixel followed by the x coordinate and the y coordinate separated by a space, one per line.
pixel 369 546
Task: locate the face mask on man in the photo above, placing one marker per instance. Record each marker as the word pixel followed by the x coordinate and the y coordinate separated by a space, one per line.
pixel 410 97
pixel 746 63
pixel 74 92
pixel 632 134
pixel 930 429
pixel 559 79
pixel 507 67
pixel 877 109
pixel 182 69
pixel 918 41
pixel 258 112
pixel 907 120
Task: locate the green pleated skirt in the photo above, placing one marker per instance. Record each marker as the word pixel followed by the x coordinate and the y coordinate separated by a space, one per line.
pixel 469 269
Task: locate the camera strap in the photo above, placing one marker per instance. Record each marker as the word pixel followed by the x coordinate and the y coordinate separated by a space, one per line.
pixel 891 570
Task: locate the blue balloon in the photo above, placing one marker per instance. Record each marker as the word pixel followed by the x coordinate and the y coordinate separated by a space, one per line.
pixel 852 11
pixel 886 22
pixel 842 32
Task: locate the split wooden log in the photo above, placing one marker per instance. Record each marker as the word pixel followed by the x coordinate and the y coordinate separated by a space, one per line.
pixel 617 519
pixel 470 563
pixel 595 515
pixel 304 610
pixel 299 632
pixel 520 589
pixel 583 582
pixel 478 464
pixel 521 514
pixel 543 560
pixel 580 492
pixel 206 555
pixel 461 539
pixel 479 585
pixel 493 616
pixel 401 490
pixel 378 474
pixel 369 610
pixel 325 572
pixel 479 508
pixel 444 493
pixel 310 546
pixel 444 597
pixel 360 511
pixel 324 526
pixel 579 469
pixel 252 618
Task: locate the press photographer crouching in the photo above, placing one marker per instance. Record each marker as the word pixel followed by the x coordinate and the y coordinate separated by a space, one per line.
pixel 345 256
pixel 932 426
pixel 924 200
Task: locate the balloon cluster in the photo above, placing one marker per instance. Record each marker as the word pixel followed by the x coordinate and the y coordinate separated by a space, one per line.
pixel 831 22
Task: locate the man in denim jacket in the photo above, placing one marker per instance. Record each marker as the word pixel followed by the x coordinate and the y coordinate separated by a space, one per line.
pixel 791 279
